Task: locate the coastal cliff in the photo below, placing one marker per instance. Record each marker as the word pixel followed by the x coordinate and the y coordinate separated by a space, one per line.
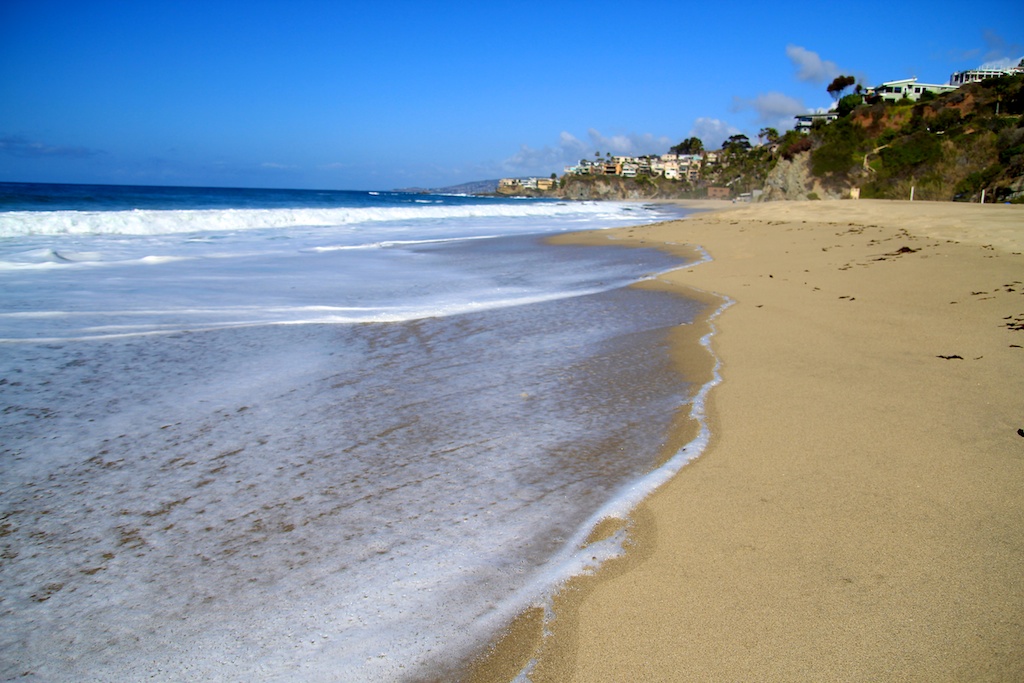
pixel 612 188
pixel 792 179
pixel 618 188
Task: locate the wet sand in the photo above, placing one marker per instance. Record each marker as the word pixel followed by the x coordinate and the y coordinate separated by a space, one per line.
pixel 859 512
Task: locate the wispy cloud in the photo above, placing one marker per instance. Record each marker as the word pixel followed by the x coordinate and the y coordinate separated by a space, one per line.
pixel 274 166
pixel 773 108
pixel 810 67
pixel 712 132
pixel 19 146
pixel 999 53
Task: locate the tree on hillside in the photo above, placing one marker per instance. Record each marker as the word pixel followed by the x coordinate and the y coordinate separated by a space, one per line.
pixel 848 103
pixel 736 143
pixel 769 135
pixel 838 85
pixel 688 146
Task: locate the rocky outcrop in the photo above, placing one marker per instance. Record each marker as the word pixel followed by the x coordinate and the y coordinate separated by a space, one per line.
pixel 618 188
pixel 791 179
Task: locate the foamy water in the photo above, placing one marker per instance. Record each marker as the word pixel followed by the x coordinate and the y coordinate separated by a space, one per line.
pixel 89 274
pixel 314 451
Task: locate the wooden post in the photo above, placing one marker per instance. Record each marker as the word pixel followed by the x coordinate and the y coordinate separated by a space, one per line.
pixel 911 193
pixel 983 196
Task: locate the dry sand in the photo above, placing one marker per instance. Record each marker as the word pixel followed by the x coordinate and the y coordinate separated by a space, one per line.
pixel 859 513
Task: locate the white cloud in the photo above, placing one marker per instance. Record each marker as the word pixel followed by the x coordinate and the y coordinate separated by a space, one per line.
pixel 569 149
pixel 712 132
pixel 773 109
pixel 810 67
pixel 547 159
pixel 1004 63
pixel 276 166
pixel 631 144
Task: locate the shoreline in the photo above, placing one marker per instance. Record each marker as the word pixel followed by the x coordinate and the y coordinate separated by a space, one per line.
pixel 857 512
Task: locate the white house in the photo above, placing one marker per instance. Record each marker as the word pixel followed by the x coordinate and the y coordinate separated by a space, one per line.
pixel 972 75
pixel 804 122
pixel 909 88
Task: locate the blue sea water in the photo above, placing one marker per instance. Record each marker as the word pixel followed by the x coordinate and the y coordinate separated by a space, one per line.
pixel 328 436
pixel 54 197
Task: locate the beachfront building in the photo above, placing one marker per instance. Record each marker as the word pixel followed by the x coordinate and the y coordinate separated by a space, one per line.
pixel 517 185
pixel 583 167
pixel 612 167
pixel 665 168
pixel 669 166
pixel 509 185
pixel 909 88
pixel 973 75
pixel 690 165
pixel 804 122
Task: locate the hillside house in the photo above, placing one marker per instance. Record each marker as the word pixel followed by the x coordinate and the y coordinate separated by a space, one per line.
pixel 908 88
pixel 804 122
pixel 973 75
pixel 669 166
pixel 517 185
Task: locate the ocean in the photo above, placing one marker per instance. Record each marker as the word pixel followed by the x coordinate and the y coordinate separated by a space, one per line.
pixel 312 435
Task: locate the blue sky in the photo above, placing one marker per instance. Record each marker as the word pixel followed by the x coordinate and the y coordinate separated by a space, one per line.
pixel 346 95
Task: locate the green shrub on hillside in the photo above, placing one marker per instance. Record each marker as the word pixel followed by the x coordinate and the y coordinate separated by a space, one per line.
pixel 840 149
pixel 848 103
pixel 1010 143
pixel 971 186
pixel 1008 94
pixel 908 153
pixel 945 120
pixel 886 137
pixel 792 143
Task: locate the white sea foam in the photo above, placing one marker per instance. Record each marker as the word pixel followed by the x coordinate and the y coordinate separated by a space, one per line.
pixel 158 222
pixel 284 499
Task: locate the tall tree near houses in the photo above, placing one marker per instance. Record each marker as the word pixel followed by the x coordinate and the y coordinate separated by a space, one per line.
pixel 838 85
pixel 691 145
pixel 736 143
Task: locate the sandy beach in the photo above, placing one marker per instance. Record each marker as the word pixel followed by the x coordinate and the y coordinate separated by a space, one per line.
pixel 859 512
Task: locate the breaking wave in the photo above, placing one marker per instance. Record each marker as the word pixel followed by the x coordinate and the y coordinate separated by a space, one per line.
pixel 165 222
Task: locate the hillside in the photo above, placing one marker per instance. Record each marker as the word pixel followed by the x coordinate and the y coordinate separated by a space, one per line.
pixel 954 146
pixel 951 147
